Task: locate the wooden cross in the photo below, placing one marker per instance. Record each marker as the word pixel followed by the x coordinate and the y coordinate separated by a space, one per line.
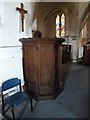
pixel 22 12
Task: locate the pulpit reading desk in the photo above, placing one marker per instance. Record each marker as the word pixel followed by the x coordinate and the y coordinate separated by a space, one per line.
pixel 42 61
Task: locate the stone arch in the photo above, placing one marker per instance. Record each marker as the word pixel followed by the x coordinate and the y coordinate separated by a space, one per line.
pixel 45 14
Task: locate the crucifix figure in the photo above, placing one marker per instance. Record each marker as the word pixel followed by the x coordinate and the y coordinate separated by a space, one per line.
pixel 22 12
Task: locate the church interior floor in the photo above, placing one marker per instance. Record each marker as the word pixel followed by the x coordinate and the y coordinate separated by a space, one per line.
pixel 71 103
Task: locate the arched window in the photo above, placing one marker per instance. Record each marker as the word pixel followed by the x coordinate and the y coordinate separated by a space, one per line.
pixel 60 25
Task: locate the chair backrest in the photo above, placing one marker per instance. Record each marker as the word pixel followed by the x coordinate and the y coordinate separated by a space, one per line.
pixel 10 83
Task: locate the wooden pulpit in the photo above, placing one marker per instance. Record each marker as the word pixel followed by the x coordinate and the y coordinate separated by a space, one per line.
pixel 42 63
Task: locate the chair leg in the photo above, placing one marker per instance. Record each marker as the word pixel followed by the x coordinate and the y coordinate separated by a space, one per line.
pixel 3 109
pixel 31 104
pixel 13 115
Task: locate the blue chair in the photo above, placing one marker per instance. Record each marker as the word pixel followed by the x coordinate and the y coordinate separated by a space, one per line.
pixel 13 99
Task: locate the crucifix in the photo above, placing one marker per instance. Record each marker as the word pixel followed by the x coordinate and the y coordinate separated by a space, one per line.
pixel 22 12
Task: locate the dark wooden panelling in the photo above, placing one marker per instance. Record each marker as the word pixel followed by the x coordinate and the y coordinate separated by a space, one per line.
pixel 42 67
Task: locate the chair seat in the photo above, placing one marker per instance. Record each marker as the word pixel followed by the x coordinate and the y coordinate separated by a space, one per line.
pixel 13 100
pixel 16 99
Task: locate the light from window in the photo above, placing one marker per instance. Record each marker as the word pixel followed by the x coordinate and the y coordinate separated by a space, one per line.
pixel 62 25
pixel 58 26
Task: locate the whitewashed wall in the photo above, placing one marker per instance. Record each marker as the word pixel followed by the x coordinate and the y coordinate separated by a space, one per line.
pixel 10 33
